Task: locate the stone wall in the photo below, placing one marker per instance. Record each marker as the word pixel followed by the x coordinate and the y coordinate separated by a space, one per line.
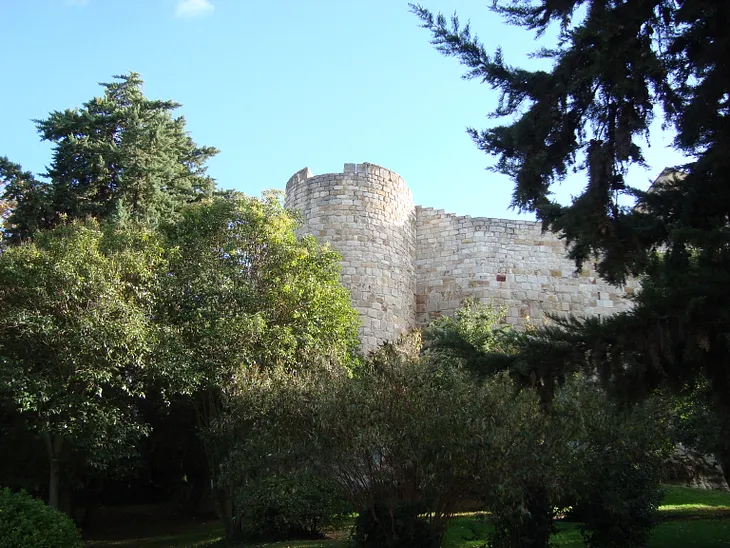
pixel 405 265
pixel 510 264
pixel 367 214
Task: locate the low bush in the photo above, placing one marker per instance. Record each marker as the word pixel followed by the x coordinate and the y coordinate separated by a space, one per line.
pixel 620 459
pixel 528 522
pixel 28 522
pixel 292 505
pixel 620 509
pixel 401 526
pixel 400 437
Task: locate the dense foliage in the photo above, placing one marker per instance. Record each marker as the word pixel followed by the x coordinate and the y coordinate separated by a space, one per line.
pixel 130 287
pixel 133 295
pixel 26 521
pixel 615 66
pixel 76 339
pixel 397 524
pixel 241 293
pixel 618 464
pixel 285 505
pixel 120 155
pixel 577 449
pixel 400 437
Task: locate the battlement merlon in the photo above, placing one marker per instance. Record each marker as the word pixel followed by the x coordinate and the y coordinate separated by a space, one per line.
pixel 298 177
pixel 366 168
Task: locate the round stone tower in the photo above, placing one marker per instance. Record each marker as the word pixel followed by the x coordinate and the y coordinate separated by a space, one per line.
pixel 367 214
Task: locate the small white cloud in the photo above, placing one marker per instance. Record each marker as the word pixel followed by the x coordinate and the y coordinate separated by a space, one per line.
pixel 191 8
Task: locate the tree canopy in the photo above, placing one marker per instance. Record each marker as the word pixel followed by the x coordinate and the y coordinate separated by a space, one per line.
pixel 120 154
pixel 615 66
pixel 244 294
pixel 126 275
pixel 76 339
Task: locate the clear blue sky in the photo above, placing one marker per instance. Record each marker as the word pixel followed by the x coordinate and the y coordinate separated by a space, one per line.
pixel 277 85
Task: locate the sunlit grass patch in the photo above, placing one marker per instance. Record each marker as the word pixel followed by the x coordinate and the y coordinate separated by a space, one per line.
pixel 687 502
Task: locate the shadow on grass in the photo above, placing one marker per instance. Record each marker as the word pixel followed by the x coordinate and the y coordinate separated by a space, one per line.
pixel 685 515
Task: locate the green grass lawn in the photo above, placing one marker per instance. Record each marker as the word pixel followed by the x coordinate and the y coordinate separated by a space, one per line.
pixel 685 502
pixel 691 518
pixel 692 533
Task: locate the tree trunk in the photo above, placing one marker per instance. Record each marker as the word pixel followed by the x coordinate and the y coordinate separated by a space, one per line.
pixel 207 409
pixel 224 508
pixel 54 444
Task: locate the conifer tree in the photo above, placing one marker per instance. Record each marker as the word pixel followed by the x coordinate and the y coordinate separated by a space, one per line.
pixel 120 154
pixel 616 65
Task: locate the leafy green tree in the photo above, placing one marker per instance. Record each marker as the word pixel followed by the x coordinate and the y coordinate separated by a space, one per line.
pixel 527 456
pixel 120 154
pixel 615 66
pixel 618 462
pixel 574 446
pixel 526 481
pixel 243 292
pixel 274 466
pixel 19 185
pixel 75 340
pixel 402 438
pixel 479 337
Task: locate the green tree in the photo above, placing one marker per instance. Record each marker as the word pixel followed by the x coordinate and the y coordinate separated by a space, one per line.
pixel 403 438
pixel 120 154
pixel 274 467
pixel 575 446
pixel 619 459
pixel 22 185
pixel 528 453
pixel 479 337
pixel 75 340
pixel 243 292
pixel 615 66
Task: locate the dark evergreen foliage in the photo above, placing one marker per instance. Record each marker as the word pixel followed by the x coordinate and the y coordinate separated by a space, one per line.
pixel 120 155
pixel 616 65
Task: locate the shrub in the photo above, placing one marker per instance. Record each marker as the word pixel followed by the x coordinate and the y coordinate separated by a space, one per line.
pixel 401 527
pixel 620 507
pixel 527 477
pixel 298 504
pixel 400 439
pixel 620 459
pixel 526 522
pixel 28 522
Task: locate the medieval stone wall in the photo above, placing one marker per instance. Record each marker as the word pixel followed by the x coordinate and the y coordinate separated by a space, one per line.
pixel 405 265
pixel 367 214
pixel 510 264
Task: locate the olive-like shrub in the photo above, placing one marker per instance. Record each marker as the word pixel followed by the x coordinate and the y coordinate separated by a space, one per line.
pixel 27 522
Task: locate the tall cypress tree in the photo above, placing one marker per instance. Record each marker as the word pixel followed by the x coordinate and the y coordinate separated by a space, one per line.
pixel 119 154
pixel 616 65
